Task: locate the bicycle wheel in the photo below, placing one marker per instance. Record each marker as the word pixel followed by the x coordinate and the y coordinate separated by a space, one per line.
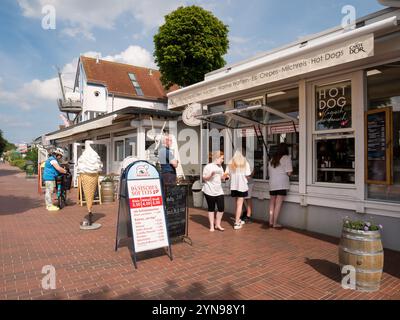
pixel 61 201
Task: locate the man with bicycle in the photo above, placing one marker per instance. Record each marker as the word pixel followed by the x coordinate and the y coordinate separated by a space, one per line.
pixel 52 169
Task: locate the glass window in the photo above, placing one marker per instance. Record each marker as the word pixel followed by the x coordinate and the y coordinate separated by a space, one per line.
pixel 119 150
pixel 136 84
pixel 333 106
pixel 283 130
pixel 334 152
pixel 335 160
pixel 254 149
pixel 383 85
pixel 130 146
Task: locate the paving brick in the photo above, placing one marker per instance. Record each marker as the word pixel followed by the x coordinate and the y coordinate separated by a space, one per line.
pixel 252 263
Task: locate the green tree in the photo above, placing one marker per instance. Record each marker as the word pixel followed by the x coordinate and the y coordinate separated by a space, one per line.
pixel 4 144
pixel 190 43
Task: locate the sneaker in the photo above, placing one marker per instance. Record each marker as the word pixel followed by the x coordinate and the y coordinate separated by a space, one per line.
pixel 52 208
pixel 248 220
pixel 237 226
pixel 242 221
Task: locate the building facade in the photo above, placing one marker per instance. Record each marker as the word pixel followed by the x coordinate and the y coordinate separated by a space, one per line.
pixel 334 98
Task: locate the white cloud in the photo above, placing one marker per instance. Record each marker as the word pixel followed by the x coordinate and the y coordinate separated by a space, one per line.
pixel 81 17
pixel 135 55
pixel 238 40
pixel 33 93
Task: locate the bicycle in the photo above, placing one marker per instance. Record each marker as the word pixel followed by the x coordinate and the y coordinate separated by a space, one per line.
pixel 63 183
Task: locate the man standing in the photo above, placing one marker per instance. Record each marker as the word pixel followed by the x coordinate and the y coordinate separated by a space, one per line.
pixel 51 171
pixel 168 161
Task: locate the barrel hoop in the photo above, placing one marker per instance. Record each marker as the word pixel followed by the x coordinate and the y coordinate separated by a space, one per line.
pixel 361 232
pixel 368 284
pixel 362 253
pixel 351 237
pixel 360 270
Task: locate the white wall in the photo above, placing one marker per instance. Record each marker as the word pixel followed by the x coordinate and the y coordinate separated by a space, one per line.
pixel 117 103
pixel 91 102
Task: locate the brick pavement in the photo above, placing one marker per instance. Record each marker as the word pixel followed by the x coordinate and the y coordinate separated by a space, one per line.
pixel 252 263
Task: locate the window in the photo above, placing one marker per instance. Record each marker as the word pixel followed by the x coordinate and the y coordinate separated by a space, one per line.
pixel 119 150
pixel 333 106
pixel 136 84
pixel 125 147
pixel 334 156
pixel 281 129
pixel 130 146
pixel 383 85
pixel 335 159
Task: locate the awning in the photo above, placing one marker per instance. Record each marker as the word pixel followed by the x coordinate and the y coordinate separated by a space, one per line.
pixel 108 120
pixel 247 117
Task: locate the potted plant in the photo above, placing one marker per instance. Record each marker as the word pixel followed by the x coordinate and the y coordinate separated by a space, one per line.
pixel 361 248
pixel 107 188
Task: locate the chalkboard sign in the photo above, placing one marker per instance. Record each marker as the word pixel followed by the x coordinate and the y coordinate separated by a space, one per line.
pixel 378 133
pixel 176 206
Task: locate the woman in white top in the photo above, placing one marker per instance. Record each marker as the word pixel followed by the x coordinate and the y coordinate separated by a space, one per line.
pixel 279 169
pixel 213 174
pixel 238 170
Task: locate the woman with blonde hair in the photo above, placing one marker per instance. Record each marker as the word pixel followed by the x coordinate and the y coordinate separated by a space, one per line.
pixel 238 170
pixel 213 174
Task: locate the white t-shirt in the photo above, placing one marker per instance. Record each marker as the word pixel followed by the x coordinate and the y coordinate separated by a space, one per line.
pixel 213 186
pixel 278 178
pixel 238 178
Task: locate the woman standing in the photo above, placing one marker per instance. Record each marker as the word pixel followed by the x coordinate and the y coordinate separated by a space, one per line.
pixel 213 174
pixel 279 169
pixel 239 171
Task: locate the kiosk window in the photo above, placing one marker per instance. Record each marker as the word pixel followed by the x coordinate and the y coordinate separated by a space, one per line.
pixel 333 106
pixel 335 160
pixel 383 159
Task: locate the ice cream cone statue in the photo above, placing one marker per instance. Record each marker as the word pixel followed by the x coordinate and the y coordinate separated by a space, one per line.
pixel 89 166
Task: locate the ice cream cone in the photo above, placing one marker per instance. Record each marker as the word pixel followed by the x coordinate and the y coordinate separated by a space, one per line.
pixel 89 185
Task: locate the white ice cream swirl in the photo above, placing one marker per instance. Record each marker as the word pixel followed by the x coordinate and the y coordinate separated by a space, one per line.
pixel 89 161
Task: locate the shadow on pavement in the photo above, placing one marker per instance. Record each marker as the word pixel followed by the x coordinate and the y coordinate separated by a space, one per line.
pixel 203 220
pixel 326 268
pixel 172 290
pixel 15 205
pixel 4 173
pixel 392 263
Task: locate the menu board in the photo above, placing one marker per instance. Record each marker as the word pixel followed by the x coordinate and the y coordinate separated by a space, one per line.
pixel 146 209
pixel 176 206
pixel 378 146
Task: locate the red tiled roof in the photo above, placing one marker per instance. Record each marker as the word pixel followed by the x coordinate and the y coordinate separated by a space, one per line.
pixel 114 75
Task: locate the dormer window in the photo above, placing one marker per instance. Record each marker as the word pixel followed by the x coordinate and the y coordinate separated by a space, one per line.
pixel 136 84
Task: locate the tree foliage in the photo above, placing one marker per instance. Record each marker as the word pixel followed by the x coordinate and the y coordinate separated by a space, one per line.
pixel 4 144
pixel 190 43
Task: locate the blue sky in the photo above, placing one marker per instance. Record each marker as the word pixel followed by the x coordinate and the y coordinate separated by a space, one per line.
pixel 122 30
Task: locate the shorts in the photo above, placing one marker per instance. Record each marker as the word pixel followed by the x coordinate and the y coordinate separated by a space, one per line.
pixel 282 192
pixel 250 191
pixel 215 200
pixel 239 194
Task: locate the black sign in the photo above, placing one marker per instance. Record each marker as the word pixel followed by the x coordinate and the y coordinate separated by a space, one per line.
pixel 177 213
pixel 377 146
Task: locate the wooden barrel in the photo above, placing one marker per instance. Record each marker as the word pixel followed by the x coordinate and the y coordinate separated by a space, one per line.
pixel 107 191
pixel 363 250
